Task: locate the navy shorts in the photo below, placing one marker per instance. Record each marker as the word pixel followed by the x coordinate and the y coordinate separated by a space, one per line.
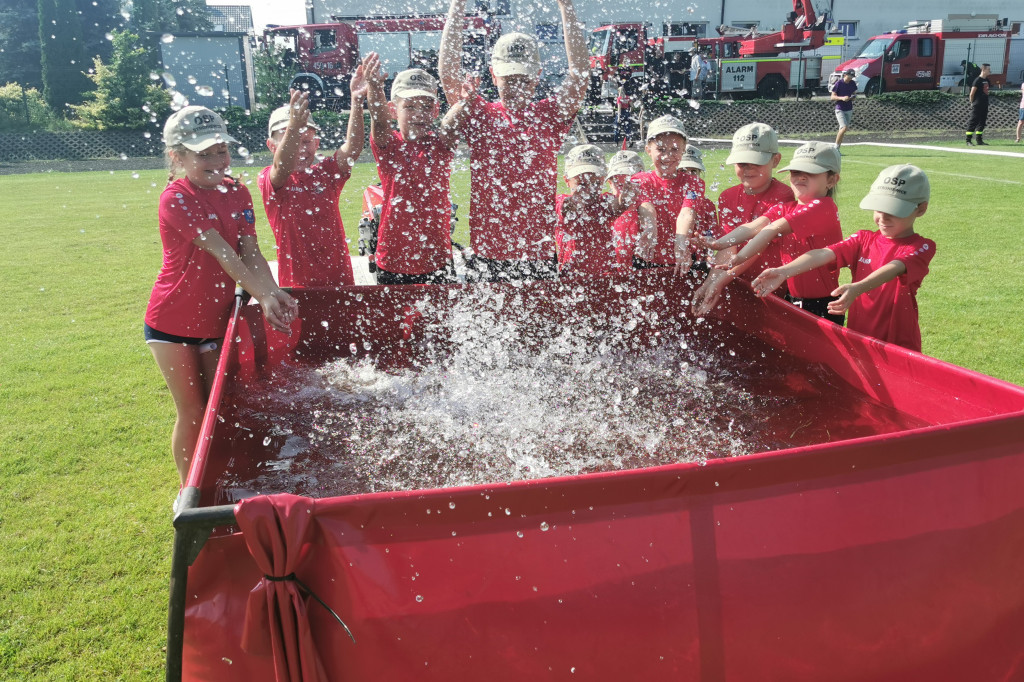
pixel 157 336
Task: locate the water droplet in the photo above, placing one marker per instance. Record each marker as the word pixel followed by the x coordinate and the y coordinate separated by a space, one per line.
pixel 266 441
pixel 165 38
pixel 544 525
pixel 419 597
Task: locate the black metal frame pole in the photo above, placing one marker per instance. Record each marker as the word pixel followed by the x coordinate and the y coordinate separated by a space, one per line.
pixel 192 527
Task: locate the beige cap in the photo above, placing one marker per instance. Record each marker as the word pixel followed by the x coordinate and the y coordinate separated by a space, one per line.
pixel 279 120
pixel 625 162
pixel 197 128
pixel 584 158
pixel 815 157
pixel 665 124
pixel 754 143
pixel 516 54
pixel 897 191
pixel 692 158
pixel 414 83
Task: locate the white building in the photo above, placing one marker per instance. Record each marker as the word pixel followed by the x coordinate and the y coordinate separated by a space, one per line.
pixel 858 20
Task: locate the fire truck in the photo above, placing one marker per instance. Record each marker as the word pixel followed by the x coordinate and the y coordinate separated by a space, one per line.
pixel 926 55
pixel 743 63
pixel 325 55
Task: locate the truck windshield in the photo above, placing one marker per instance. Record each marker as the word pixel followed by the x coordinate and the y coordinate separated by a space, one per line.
pixel 599 42
pixel 875 48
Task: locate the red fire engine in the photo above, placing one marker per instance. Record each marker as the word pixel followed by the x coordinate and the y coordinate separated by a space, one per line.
pixel 742 64
pixel 931 54
pixel 325 55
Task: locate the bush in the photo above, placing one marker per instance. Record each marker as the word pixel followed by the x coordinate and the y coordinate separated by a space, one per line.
pixel 916 97
pixel 125 96
pixel 24 109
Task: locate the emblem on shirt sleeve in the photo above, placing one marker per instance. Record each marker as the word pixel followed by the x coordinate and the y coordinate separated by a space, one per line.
pixel 249 215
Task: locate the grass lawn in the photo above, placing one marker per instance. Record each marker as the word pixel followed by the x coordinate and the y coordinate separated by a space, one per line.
pixel 85 467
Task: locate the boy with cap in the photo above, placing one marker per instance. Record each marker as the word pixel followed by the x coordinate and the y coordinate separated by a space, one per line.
pixel 697 216
pixel 415 166
pixel 664 191
pixel 584 236
pixel 811 221
pixel 621 169
pixel 754 155
pixel 842 94
pixel 300 195
pixel 514 145
pixel 888 265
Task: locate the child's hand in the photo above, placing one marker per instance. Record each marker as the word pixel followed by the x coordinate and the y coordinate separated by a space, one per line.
pixel 847 295
pixel 298 109
pixel 358 85
pixel 280 310
pixel 707 295
pixel 767 282
pixel 682 254
pixel 375 77
pixel 629 192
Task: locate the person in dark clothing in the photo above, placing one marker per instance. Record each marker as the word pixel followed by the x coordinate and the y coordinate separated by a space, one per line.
pixel 979 106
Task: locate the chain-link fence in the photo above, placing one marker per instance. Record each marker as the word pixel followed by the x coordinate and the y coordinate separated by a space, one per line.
pixel 792 118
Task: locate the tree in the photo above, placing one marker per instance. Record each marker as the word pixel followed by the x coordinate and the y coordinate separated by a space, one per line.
pixel 273 74
pixel 167 16
pixel 99 18
pixel 125 96
pixel 19 44
pixel 62 53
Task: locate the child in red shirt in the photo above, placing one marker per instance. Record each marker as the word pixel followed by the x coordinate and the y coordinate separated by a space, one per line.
pixel 809 222
pixel 514 145
pixel 622 167
pixel 586 241
pixel 663 192
pixel 415 165
pixel 888 265
pixel 754 155
pixel 209 240
pixel 300 196
pixel 696 217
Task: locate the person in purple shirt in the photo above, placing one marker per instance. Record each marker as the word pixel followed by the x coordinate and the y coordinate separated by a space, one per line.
pixel 842 95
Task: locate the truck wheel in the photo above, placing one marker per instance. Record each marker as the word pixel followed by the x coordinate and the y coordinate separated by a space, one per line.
pixel 874 87
pixel 316 94
pixel 771 86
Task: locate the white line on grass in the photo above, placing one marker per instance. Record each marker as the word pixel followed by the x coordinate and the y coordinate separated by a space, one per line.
pixel 935 172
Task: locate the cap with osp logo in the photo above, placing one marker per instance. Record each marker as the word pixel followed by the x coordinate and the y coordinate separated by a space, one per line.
pixel 196 128
pixel 584 158
pixel 754 143
pixel 665 124
pixel 414 83
pixel 280 117
pixel 898 190
pixel 516 54
pixel 625 162
pixel 815 157
pixel 692 158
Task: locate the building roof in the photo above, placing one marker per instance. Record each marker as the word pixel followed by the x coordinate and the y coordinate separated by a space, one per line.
pixel 231 18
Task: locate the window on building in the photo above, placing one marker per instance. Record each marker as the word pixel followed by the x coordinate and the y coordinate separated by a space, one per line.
pixel 695 29
pixel 847 28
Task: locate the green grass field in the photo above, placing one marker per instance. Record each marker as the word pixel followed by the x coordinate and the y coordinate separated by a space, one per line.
pixel 87 477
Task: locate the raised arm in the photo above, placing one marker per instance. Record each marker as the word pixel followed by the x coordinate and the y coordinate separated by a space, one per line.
pixel 772 278
pixel 847 293
pixel 286 156
pixel 574 87
pixel 449 58
pixel 452 121
pixel 349 151
pixel 380 116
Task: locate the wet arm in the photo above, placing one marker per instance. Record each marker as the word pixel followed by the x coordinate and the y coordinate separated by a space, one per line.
pixel 847 293
pixel 349 151
pixel 286 156
pixel 449 58
pixel 574 87
pixel 772 278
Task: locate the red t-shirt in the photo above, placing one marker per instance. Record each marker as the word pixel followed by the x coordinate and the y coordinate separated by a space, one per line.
pixel 815 225
pixel 514 178
pixel 736 207
pixel 414 237
pixel 667 195
pixel 624 231
pixel 192 295
pixel 586 241
pixel 311 245
pixel 887 312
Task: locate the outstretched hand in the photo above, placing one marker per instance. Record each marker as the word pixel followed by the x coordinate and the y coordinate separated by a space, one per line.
pixel 280 310
pixel 682 255
pixel 767 282
pixel 298 109
pixel 846 295
pixel 372 71
pixel 470 86
pixel 358 84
